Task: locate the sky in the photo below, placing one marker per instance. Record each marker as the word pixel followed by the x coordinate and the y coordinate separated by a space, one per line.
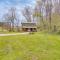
pixel 19 4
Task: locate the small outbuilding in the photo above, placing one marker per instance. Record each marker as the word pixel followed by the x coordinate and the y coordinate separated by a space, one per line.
pixel 29 27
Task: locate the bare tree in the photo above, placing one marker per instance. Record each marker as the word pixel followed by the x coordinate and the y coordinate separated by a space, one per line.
pixel 43 5
pixel 17 24
pixel 49 11
pixel 11 17
pixel 39 12
pixel 57 7
pixel 27 13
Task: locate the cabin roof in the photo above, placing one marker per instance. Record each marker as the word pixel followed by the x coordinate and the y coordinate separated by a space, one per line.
pixel 29 25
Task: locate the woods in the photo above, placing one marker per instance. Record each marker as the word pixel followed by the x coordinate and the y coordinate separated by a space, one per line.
pixel 46 11
pixel 45 14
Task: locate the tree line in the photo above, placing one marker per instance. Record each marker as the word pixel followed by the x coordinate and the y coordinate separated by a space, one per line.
pixel 46 14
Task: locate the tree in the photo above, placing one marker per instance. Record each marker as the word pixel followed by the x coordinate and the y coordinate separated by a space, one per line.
pixel 49 11
pixel 27 13
pixel 11 17
pixel 39 12
pixel 17 25
pixel 57 7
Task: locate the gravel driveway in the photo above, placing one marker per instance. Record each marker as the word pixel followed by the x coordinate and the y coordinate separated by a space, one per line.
pixel 14 34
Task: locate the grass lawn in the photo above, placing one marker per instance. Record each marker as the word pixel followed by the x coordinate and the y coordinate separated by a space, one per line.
pixel 38 46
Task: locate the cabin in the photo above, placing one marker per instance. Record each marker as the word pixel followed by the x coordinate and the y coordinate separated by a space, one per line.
pixel 29 27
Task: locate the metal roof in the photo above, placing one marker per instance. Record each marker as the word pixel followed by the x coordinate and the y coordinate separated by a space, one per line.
pixel 29 25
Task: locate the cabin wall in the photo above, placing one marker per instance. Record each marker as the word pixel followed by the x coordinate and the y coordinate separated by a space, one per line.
pixel 29 29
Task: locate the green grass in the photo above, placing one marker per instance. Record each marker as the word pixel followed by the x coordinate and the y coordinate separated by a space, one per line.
pixel 37 46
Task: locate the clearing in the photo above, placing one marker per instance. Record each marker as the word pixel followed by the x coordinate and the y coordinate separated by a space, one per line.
pixel 38 46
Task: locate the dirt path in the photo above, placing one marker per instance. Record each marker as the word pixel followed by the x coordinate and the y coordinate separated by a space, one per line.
pixel 14 34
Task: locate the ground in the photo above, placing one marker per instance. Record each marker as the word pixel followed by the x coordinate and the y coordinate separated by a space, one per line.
pixel 38 46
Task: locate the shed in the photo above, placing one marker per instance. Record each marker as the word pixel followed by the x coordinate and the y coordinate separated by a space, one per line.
pixel 29 27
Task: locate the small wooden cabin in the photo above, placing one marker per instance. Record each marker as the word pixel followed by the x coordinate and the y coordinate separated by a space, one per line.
pixel 29 27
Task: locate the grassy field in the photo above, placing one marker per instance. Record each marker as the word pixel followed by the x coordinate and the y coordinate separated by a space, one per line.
pixel 38 46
